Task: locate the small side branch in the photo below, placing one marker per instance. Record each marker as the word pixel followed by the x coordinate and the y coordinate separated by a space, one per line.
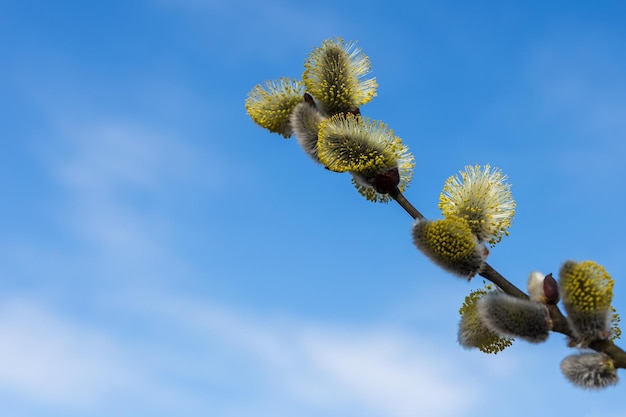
pixel 559 321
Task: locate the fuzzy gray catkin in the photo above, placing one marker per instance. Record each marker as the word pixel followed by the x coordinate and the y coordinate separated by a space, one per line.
pixel 515 317
pixel 591 370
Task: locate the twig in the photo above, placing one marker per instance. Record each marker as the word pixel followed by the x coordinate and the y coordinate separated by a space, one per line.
pixel 559 322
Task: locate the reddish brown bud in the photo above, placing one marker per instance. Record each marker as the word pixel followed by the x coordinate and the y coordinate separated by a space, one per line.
pixel 551 289
pixel 308 98
pixel 386 181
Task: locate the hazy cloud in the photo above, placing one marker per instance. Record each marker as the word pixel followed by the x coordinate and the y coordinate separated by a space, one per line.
pixel 52 360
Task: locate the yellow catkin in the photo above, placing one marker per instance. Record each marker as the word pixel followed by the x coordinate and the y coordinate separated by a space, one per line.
pixel 451 239
pixel 334 75
pixel 472 333
pixel 270 104
pixel 586 286
pixel 365 148
pixel 450 244
pixel 482 196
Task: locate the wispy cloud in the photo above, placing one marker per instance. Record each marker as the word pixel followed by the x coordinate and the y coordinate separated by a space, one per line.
pixel 113 156
pixel 58 362
pixel 332 368
pixel 119 183
pixel 394 374
pixel 52 360
pixel 201 357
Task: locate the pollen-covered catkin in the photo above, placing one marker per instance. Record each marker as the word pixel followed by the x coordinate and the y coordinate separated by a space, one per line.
pixel 334 74
pixel 587 292
pixel 473 333
pixel 450 244
pixel 270 104
pixel 482 196
pixel 365 148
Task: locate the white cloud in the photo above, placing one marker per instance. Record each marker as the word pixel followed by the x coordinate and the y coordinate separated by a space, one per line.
pixel 56 362
pixel 203 359
pixel 391 374
pixel 52 360
pixel 121 182
pixel 114 156
pixel 332 368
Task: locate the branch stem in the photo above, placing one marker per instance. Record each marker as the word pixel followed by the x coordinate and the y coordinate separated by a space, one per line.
pixel 495 277
pixel 397 195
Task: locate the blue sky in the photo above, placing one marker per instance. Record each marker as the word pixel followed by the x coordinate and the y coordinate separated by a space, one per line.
pixel 161 255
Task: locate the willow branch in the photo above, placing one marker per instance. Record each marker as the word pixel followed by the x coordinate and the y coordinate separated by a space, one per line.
pixel 559 322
